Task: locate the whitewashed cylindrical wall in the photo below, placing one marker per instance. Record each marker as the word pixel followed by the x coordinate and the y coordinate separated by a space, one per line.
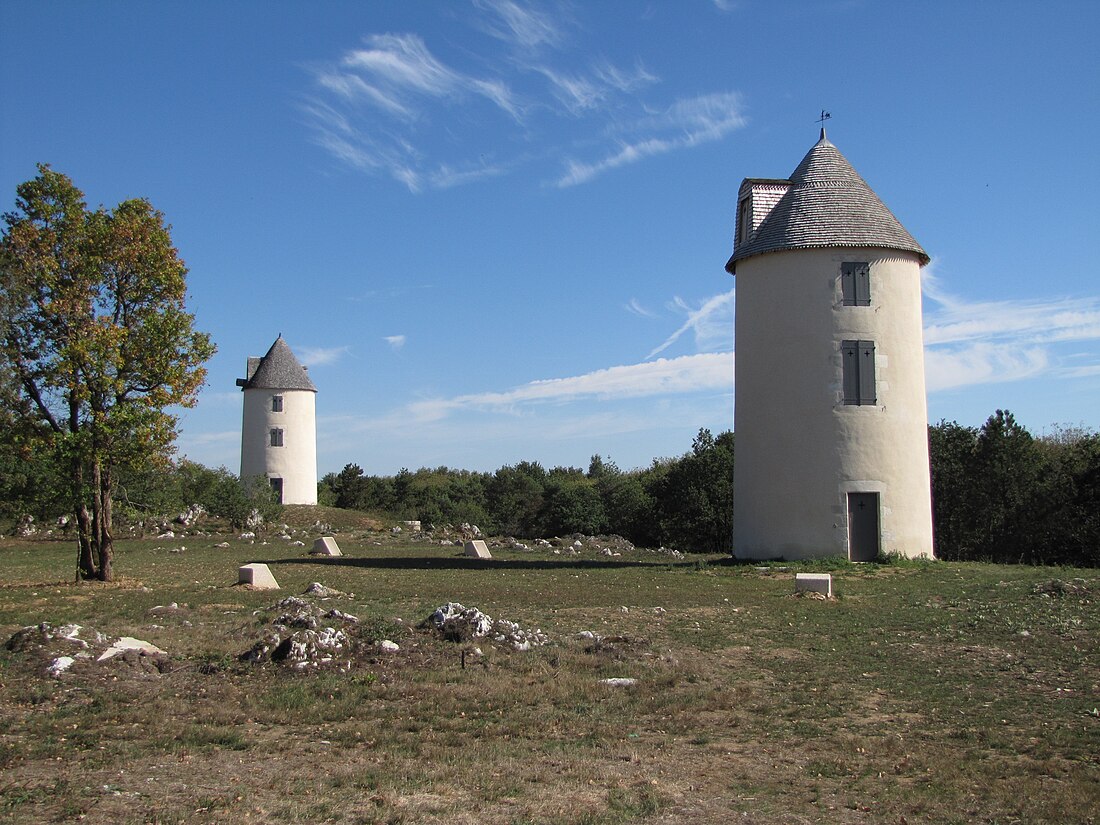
pixel 295 462
pixel 799 449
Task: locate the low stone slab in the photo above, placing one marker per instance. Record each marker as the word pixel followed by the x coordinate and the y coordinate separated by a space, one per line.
pixel 130 643
pixel 258 575
pixel 326 546
pixel 814 583
pixel 478 549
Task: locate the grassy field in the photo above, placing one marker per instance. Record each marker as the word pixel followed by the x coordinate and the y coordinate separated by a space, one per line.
pixel 929 692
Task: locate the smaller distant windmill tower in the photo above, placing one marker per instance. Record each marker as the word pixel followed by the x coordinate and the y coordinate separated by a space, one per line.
pixel 279 433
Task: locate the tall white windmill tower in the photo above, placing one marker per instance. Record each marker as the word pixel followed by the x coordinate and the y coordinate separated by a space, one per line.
pixel 831 447
pixel 279 433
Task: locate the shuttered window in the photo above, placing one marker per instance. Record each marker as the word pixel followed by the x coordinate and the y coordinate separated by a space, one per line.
pixel 859 371
pixel 276 437
pixel 855 284
pixel 276 403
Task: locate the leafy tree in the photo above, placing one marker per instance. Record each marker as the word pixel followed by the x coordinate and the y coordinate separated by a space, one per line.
pixel 951 451
pixel 97 338
pixel 514 498
pixel 572 505
pixel 694 496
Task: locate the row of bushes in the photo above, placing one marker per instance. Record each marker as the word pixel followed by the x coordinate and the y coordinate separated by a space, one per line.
pixel 999 494
pixel 685 503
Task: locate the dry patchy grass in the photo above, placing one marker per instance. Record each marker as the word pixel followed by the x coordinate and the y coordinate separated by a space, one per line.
pixel 925 693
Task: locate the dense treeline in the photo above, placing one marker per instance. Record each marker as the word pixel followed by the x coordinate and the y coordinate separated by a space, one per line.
pixel 684 503
pixel 999 494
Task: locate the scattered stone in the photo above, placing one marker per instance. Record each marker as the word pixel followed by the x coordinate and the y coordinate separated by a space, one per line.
pixel 303 635
pixel 326 546
pixel 41 634
pixel 222 544
pixel 477 549
pixel 130 643
pixel 179 549
pixel 171 609
pixel 191 515
pixel 814 583
pixel 258 576
pixel 319 591
pixel 1058 588
pixel 413 525
pixel 297 544
pixel 167 534
pixel 311 648
pixel 25 528
pixel 619 681
pixel 246 535
pixel 388 647
pixel 457 623
pixel 60 665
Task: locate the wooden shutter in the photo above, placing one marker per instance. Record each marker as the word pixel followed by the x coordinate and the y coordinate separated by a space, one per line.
pixel 867 372
pixel 855 284
pixel 850 353
pixel 863 285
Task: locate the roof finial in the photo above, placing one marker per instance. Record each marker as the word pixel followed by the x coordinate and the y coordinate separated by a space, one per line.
pixel 824 116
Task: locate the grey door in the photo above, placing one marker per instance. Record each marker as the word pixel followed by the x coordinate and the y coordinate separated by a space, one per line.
pixel 277 488
pixel 863 529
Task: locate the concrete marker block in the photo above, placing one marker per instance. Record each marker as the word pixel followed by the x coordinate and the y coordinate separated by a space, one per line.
pixel 258 575
pixel 478 549
pixel 326 546
pixel 814 583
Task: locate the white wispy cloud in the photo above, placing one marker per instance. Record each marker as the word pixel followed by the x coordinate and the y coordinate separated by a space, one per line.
pixel 384 107
pixel 578 92
pixel 635 306
pixel 519 25
pixel 979 342
pixel 712 323
pixel 395 341
pixel 688 373
pixel 315 356
pixel 685 124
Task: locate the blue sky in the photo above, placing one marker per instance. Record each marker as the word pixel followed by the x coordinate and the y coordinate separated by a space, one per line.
pixel 496 229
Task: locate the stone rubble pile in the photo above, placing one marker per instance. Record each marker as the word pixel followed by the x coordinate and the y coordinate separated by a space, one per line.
pixel 305 635
pixel 60 647
pixel 458 623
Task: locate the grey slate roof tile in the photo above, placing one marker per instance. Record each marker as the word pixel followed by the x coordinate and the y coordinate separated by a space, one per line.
pixel 828 204
pixel 278 370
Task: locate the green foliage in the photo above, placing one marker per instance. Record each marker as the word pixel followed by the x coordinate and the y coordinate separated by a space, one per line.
pixel 1000 494
pixel 694 496
pixel 97 343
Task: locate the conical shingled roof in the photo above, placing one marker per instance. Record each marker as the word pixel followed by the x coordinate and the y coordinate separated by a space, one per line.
pixel 278 370
pixel 828 204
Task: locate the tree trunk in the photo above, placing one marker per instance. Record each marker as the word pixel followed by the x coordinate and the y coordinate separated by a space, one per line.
pixel 86 568
pixel 101 519
pixel 106 537
pixel 85 564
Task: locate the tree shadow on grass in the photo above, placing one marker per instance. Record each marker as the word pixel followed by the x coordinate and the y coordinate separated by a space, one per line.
pixel 466 563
